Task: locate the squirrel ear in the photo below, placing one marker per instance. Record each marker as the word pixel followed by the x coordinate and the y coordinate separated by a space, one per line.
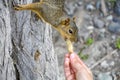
pixel 66 22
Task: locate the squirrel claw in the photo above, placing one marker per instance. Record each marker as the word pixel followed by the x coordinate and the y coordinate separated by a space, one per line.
pixel 17 7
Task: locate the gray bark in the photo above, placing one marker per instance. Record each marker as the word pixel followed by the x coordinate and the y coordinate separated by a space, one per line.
pixel 26 47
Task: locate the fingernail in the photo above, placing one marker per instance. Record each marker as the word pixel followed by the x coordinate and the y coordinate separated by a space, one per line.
pixel 67 59
pixel 72 56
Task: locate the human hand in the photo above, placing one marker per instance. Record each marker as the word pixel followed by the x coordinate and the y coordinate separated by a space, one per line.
pixel 75 69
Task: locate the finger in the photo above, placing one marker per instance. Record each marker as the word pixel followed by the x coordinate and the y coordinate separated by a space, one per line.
pixel 67 67
pixel 72 71
pixel 66 61
pixel 76 66
pixel 82 63
pixel 83 66
pixel 67 55
pixel 71 77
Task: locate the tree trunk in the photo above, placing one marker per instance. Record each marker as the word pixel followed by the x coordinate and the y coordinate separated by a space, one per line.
pixel 26 48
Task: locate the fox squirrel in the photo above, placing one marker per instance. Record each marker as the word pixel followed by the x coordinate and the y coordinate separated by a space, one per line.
pixel 52 12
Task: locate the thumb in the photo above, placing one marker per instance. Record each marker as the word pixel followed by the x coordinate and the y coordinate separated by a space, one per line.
pixel 74 62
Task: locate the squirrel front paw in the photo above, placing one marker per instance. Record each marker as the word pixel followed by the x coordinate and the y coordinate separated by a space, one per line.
pixel 18 7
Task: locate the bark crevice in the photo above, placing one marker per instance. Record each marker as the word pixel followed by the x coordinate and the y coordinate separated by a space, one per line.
pixel 17 72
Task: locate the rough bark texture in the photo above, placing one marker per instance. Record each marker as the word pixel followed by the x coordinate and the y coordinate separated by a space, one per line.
pixel 26 48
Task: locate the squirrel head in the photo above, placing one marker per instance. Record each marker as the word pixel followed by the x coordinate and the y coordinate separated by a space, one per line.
pixel 68 29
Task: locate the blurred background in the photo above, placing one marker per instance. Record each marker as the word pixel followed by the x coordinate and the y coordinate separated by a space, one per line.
pixel 98 43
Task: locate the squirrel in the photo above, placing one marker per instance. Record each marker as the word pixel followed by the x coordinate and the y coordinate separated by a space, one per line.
pixel 52 12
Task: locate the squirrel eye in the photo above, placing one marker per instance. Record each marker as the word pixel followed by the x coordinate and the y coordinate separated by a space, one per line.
pixel 70 31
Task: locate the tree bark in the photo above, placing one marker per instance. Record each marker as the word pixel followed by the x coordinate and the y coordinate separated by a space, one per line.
pixel 26 47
